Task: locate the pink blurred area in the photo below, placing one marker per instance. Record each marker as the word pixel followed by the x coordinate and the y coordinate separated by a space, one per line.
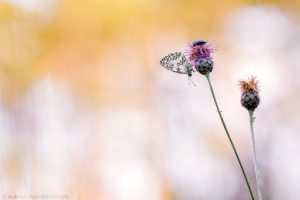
pixel 88 113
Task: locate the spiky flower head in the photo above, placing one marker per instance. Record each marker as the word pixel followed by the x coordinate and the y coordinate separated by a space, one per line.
pixel 199 55
pixel 250 93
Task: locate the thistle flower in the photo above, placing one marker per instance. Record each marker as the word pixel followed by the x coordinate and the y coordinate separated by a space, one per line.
pixel 250 100
pixel 199 55
pixel 250 97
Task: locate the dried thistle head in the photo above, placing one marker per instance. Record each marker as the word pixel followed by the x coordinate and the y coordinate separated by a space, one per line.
pixel 250 97
pixel 250 84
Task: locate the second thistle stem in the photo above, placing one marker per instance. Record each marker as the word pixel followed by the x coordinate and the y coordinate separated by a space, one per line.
pixel 257 172
pixel 229 137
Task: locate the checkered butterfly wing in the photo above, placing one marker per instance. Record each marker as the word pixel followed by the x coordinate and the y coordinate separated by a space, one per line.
pixel 177 62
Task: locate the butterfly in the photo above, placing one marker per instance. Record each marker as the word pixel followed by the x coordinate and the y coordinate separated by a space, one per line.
pixel 177 62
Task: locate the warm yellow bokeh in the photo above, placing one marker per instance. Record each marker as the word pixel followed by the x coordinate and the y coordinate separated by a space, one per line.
pixel 87 111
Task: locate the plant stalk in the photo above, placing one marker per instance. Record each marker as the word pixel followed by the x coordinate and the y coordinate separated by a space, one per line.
pixel 257 172
pixel 229 137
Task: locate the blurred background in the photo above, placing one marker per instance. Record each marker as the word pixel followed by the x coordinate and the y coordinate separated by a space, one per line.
pixel 88 113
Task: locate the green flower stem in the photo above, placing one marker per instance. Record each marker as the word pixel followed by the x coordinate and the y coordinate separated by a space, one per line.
pixel 229 137
pixel 257 172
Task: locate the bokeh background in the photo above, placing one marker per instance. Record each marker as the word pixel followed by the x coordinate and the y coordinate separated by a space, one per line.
pixel 86 110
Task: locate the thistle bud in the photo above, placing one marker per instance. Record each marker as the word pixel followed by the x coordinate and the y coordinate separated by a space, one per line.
pixel 204 65
pixel 250 97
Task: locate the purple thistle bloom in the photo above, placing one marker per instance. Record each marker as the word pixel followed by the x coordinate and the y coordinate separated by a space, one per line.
pixel 199 50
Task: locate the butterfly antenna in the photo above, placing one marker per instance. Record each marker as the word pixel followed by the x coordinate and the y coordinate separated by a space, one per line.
pixel 190 80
